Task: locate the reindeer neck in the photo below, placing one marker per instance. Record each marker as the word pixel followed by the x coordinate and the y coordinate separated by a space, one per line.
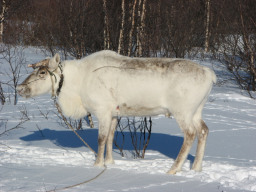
pixel 58 72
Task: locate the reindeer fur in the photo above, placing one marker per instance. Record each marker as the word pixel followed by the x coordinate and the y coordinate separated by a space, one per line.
pixel 109 85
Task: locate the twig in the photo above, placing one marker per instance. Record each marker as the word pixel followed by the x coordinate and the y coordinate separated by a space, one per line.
pixel 5 146
pixel 15 127
pixel 41 132
pixel 45 115
pixel 149 135
pixel 68 124
pixel 140 140
pixel 24 112
pixel 119 125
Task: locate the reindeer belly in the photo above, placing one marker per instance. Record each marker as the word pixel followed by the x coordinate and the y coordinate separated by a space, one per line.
pixel 138 110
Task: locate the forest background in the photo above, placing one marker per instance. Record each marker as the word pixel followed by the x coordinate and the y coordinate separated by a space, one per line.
pixel 225 29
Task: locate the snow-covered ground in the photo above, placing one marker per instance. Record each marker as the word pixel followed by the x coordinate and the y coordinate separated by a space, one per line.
pixel 44 155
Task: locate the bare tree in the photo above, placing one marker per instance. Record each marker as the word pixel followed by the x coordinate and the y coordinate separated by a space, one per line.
pixel 121 36
pixel 141 26
pixel 9 8
pixel 140 134
pixel 2 96
pixel 5 128
pixel 106 26
pixel 14 57
pixel 132 19
pixel 2 19
pixel 78 27
pixel 235 42
pixel 207 25
pixel 249 40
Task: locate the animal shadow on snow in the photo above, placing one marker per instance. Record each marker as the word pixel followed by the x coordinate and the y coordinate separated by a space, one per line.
pixel 166 144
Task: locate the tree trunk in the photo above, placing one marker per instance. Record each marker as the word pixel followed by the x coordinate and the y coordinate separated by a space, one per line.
pixel 2 18
pixel 141 26
pixel 138 28
pixel 248 49
pixel 121 35
pixel 106 26
pixel 170 15
pixel 207 26
pixel 156 47
pixel 132 28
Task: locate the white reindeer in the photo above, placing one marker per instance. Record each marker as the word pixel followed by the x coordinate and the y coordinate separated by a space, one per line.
pixel 109 85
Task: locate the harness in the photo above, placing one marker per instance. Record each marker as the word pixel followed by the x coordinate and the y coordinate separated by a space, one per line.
pixel 52 74
pixel 54 97
pixel 90 121
pixel 53 77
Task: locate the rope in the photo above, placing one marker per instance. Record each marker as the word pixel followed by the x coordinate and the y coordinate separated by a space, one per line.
pixel 52 87
pixel 68 124
pixel 59 109
pixel 75 185
pixel 86 144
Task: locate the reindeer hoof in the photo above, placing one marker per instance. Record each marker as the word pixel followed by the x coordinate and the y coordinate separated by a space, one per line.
pixel 172 172
pixel 197 169
pixel 109 162
pixel 99 165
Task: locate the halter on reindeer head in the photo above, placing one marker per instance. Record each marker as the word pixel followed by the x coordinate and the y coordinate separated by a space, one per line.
pixel 41 80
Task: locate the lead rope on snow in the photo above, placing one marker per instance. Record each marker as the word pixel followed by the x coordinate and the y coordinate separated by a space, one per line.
pixel 68 124
pixel 75 185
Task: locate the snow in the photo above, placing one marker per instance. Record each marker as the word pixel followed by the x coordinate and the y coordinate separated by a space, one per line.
pixel 43 155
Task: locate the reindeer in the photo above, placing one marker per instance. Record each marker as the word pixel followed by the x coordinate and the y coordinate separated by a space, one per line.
pixel 110 85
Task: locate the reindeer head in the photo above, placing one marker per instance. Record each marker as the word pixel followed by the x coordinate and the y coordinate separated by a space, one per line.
pixel 40 80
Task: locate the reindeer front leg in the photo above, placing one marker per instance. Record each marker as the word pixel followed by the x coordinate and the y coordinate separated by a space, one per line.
pixel 109 157
pixel 104 127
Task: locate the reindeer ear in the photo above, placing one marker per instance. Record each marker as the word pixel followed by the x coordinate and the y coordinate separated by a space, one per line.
pixel 54 62
pixel 57 58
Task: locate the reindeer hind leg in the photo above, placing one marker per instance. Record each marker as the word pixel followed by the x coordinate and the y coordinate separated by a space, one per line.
pixel 189 137
pixel 202 133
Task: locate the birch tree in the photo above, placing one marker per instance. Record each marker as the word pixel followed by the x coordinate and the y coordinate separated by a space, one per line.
pixel 132 27
pixel 249 48
pixel 8 8
pixel 14 57
pixel 141 26
pixel 207 25
pixel 121 36
pixel 2 19
pixel 106 26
